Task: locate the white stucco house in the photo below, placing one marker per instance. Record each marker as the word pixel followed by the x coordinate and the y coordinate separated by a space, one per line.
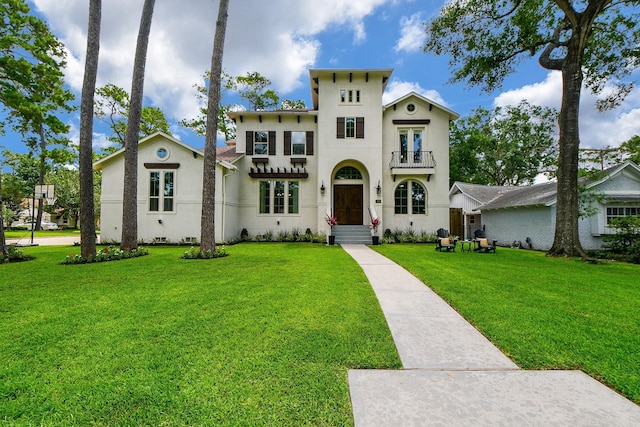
pixel 347 156
pixel 530 212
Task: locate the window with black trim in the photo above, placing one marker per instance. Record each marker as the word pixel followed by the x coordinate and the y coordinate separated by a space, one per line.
pixel 261 143
pixel 161 191
pixel 410 196
pixel 350 127
pixel 279 197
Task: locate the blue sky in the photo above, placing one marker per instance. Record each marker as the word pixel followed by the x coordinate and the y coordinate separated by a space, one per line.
pixel 282 39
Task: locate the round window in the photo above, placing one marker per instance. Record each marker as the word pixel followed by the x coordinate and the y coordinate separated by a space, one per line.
pixel 411 108
pixel 162 153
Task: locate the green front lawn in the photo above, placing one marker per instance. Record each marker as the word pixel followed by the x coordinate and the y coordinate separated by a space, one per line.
pixel 264 336
pixel 545 313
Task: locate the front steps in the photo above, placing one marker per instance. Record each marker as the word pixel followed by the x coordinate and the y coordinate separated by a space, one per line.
pixel 352 234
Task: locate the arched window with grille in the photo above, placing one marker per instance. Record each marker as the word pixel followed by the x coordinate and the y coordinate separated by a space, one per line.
pixel 410 197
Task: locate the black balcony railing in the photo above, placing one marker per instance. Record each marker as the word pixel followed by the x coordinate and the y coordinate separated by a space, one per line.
pixel 412 159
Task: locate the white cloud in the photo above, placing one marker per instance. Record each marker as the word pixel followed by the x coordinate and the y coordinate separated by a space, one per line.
pixel 277 39
pixel 597 129
pixel 397 89
pixel 412 34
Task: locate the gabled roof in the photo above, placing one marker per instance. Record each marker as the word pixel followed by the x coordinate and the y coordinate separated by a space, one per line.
pixel 535 195
pixel 479 193
pixel 615 170
pixel 545 194
pixel 229 152
pixel 452 114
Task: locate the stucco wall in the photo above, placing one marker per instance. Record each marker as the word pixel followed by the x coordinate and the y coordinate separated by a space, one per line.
pixel 436 140
pixel 181 223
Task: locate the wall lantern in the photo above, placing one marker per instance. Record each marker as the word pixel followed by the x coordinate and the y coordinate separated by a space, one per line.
pixel 322 188
pixel 379 188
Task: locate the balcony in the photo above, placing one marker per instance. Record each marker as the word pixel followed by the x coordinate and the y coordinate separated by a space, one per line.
pixel 412 163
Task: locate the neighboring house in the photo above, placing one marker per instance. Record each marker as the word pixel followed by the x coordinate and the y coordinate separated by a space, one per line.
pixel 348 156
pixel 530 212
pixel 467 198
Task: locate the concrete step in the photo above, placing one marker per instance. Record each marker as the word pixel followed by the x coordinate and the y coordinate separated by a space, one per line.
pixel 352 234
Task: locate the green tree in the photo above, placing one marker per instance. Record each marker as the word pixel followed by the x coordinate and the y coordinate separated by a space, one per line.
pixel 130 189
pixel 31 77
pixel 504 146
pixel 87 206
pixel 597 159
pixel 254 89
pixel 67 188
pixel 225 124
pixel 631 149
pixel 208 216
pixel 289 104
pixel 591 42
pixel 112 105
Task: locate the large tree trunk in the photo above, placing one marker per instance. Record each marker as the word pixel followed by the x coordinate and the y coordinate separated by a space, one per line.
pixel 567 240
pixel 130 192
pixel 207 221
pixel 87 219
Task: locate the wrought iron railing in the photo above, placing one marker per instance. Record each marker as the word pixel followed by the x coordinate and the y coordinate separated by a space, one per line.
pixel 412 159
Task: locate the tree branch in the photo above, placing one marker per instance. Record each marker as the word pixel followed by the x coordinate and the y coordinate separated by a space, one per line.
pixel 545 60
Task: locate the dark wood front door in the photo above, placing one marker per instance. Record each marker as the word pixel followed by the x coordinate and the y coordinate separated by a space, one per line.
pixel 347 204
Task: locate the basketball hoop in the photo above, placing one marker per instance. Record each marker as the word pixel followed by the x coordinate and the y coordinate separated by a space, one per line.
pixel 46 192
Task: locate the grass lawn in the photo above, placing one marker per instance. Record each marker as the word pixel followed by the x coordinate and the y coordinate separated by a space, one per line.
pixel 545 313
pixel 262 337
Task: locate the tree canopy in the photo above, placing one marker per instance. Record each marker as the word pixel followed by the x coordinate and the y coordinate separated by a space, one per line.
pixel 112 104
pixel 594 43
pixel 503 146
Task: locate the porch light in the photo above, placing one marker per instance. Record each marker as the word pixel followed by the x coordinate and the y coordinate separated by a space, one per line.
pixel 379 188
pixel 322 188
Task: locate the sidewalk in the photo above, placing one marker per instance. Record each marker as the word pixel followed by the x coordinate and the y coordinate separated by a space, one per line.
pixel 48 241
pixel 454 376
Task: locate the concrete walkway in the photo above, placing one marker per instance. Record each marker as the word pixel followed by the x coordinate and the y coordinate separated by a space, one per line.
pixel 454 376
pixel 47 241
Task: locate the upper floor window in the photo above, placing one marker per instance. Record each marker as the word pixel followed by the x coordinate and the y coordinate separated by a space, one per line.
pixel 410 196
pixel 350 127
pixel 349 96
pixel 161 191
pixel 260 143
pixel 410 145
pixel 298 143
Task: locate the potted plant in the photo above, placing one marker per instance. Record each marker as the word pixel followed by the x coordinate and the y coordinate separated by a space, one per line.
pixel 331 220
pixel 373 225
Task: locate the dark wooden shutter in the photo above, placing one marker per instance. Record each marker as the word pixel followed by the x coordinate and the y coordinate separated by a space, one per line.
pixel 309 143
pixel 249 143
pixel 287 142
pixel 340 127
pixel 359 127
pixel 272 142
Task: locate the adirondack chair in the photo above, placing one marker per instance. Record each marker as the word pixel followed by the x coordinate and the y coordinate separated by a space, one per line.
pixel 446 244
pixel 485 246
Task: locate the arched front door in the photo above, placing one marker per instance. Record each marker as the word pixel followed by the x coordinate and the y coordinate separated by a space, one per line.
pixel 347 203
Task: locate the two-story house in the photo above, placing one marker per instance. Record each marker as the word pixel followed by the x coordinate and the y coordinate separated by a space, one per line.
pixel 348 156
